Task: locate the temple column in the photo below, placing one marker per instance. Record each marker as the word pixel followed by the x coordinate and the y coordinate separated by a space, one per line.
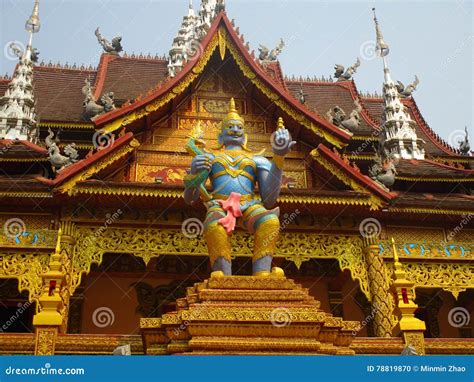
pixel 49 320
pixel 379 285
pixel 67 243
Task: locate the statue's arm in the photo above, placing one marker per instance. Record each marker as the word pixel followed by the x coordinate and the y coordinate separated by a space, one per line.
pixel 269 176
pixel 200 169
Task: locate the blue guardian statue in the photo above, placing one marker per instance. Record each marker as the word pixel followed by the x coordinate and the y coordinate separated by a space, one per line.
pixel 234 171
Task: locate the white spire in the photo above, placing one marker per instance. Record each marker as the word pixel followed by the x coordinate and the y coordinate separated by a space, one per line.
pixel 398 137
pixel 193 29
pixel 17 106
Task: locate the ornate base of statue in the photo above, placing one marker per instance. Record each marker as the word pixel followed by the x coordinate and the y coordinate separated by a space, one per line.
pixel 248 315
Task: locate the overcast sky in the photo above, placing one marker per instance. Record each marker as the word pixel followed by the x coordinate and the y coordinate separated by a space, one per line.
pixel 432 39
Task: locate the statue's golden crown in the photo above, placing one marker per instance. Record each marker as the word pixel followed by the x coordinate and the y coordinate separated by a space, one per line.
pixel 232 116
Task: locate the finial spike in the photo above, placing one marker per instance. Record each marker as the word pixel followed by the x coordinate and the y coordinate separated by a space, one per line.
pixel 32 25
pixel 395 253
pixel 58 242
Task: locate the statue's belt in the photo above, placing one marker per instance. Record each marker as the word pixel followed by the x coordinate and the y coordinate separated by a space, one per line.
pixel 243 198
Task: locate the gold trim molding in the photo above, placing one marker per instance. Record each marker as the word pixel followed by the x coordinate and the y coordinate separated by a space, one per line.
pixel 374 202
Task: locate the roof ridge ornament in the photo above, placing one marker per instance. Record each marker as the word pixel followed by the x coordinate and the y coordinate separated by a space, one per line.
pixel 342 75
pixel 397 139
pixel 17 107
pixel 57 160
pixel 110 47
pixel 267 55
pixel 464 146
pixel 406 92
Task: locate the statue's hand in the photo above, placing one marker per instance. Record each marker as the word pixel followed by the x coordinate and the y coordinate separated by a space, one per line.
pixel 281 142
pixel 201 163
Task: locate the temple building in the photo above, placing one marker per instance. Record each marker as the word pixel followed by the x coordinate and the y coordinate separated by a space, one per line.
pixel 98 249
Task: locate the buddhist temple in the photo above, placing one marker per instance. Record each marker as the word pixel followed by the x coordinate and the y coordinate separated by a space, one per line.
pixel 100 253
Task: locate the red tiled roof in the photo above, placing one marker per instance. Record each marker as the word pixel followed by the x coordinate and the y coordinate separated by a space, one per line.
pixel 428 169
pixel 21 149
pixel 129 77
pixel 58 93
pixel 58 90
pixel 322 96
pixel 434 201
pixel 3 86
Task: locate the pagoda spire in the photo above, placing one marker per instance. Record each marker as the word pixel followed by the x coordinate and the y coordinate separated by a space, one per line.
pixel 17 106
pixel 192 30
pixel 398 139
pixel 183 42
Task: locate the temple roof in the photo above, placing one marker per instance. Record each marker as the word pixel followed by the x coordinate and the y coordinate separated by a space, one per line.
pixel 142 85
pixel 323 95
pixel 217 38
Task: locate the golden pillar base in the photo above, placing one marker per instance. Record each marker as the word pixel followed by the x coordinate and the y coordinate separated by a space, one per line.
pixel 247 315
pixel 45 340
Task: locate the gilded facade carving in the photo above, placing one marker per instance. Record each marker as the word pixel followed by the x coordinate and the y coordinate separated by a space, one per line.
pixel 452 277
pixel 27 269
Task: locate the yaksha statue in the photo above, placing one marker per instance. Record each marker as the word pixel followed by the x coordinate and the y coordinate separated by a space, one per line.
pixel 234 171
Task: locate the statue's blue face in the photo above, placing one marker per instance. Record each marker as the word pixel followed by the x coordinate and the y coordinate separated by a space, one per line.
pixel 233 134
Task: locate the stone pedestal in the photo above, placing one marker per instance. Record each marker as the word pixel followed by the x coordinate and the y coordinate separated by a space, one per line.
pixel 247 315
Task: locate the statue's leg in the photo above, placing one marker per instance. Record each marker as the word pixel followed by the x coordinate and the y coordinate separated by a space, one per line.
pixel 266 226
pixel 218 241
